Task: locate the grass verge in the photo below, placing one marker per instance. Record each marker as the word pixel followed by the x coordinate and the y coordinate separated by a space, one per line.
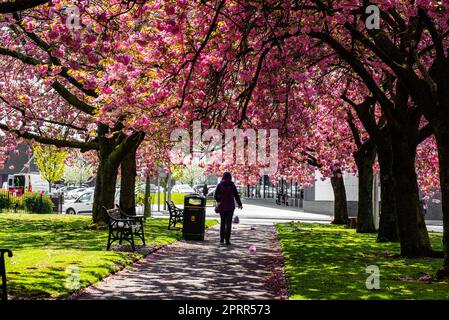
pixel 52 251
pixel 330 262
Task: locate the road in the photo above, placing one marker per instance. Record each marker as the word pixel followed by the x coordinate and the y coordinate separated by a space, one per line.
pixel 264 213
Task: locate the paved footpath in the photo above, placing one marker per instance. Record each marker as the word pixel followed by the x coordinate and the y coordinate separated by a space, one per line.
pixel 203 270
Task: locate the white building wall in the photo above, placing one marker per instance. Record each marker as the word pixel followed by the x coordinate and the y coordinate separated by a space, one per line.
pixel 323 189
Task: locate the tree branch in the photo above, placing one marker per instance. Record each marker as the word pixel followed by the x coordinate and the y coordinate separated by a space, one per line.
pixel 20 5
pixel 66 94
pixel 357 66
pixel 89 145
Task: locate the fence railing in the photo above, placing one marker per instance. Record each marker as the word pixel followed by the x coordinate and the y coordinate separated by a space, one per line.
pixel 30 202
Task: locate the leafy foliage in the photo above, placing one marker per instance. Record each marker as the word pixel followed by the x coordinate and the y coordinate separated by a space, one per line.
pixel 189 174
pixel 78 173
pixel 5 201
pixel 37 203
pixel 50 161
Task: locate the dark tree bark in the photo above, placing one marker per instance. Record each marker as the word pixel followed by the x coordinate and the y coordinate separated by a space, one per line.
pixel 111 153
pixel 388 222
pixel 20 5
pixel 364 158
pixel 442 137
pixel 147 198
pixel 106 177
pixel 380 135
pixel 340 203
pixel 128 183
pixel 104 188
pixel 413 233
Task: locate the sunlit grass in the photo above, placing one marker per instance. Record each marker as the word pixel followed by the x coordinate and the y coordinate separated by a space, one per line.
pixel 329 262
pixel 177 198
pixel 46 246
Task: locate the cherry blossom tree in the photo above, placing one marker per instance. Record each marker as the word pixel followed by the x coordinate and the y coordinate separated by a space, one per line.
pixel 333 88
pixel 263 45
pixel 83 84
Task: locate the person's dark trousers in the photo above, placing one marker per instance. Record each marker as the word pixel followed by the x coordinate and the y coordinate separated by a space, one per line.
pixel 226 225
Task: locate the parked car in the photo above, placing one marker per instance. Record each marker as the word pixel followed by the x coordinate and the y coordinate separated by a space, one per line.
pixel 153 188
pixel 66 189
pixel 84 203
pixel 75 193
pixel 211 192
pixel 198 188
pixel 182 188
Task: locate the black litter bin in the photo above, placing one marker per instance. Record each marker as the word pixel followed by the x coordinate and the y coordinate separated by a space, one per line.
pixel 194 220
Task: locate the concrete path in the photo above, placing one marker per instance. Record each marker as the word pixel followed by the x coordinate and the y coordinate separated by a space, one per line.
pixel 254 213
pixel 203 270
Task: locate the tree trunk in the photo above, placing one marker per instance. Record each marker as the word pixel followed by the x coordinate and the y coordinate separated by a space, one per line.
pixel 147 201
pixel 364 159
pixel 413 234
pixel 340 203
pixel 128 183
pixel 104 188
pixel 111 153
pixel 442 138
pixel 388 222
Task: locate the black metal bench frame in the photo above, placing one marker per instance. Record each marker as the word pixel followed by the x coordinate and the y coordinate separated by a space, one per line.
pixel 176 215
pixel 3 291
pixel 123 227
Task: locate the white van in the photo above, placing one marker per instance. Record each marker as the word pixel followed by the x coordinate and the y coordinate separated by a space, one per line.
pixel 84 203
pixel 27 182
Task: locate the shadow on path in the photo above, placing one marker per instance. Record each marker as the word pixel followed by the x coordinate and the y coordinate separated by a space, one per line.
pixel 201 270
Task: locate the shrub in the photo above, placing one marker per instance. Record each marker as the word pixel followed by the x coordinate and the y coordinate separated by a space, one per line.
pixel 16 203
pixel 36 203
pixel 5 201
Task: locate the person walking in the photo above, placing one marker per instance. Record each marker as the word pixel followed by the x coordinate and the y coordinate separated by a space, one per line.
pixel 225 194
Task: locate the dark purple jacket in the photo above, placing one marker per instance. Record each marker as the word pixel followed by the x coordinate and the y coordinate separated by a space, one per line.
pixel 225 193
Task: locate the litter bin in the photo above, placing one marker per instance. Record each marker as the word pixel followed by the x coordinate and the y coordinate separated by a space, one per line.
pixel 194 220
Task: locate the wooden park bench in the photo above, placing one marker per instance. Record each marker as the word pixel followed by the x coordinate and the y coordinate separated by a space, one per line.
pixel 3 292
pixel 123 227
pixel 176 215
pixel 352 223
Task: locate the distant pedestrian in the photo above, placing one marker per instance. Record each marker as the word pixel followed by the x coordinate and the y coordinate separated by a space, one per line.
pixel 205 190
pixel 225 194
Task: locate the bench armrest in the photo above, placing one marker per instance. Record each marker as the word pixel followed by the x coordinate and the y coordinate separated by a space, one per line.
pixel 3 251
pixel 127 216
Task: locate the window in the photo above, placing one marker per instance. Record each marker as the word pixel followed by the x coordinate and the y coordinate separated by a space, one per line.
pixel 19 182
pixel 85 197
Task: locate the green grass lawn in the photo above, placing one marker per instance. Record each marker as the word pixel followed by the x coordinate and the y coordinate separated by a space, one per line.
pixel 177 198
pixel 47 246
pixel 329 262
